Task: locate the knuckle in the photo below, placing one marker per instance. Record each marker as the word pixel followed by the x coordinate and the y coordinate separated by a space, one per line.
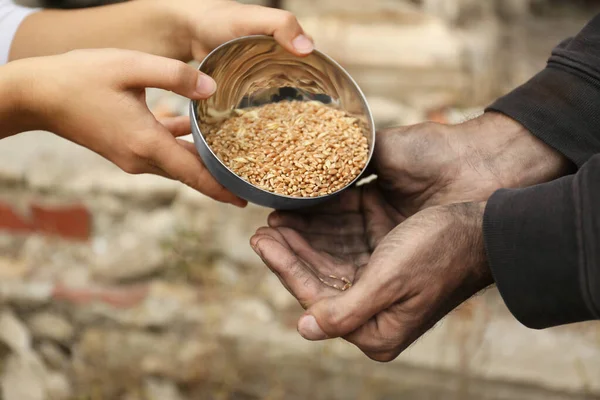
pixel 297 269
pixel 202 181
pixel 376 344
pixel 196 182
pixel 140 149
pixel 132 167
pixel 337 320
pixel 128 61
pixel 288 19
pixel 179 73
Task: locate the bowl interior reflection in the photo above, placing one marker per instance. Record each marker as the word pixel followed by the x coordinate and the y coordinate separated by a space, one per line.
pixel 255 71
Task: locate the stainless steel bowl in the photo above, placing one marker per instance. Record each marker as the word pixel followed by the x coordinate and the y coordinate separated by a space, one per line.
pixel 255 70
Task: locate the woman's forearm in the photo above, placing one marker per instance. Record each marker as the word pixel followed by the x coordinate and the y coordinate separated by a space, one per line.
pixel 147 26
pixel 16 115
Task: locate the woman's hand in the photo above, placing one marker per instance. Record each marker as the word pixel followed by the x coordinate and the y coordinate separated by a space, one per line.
pixel 181 29
pixel 214 22
pixel 96 98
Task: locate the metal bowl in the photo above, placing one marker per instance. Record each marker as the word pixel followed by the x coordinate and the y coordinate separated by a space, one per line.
pixel 255 70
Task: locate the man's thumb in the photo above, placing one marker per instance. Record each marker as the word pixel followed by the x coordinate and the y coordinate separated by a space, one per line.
pixel 336 316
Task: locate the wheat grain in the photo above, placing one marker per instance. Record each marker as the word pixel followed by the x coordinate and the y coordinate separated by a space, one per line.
pixel 299 149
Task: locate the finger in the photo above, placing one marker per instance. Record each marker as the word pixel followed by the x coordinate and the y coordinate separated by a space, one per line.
pixel 342 235
pixel 342 224
pixel 340 246
pixel 299 282
pixel 340 315
pixel 189 146
pixel 143 70
pixel 281 24
pixel 344 246
pixel 266 231
pixel 178 126
pixel 345 202
pixel 297 275
pixel 322 263
pixel 378 222
pixel 334 272
pixel 375 291
pixel 389 333
pixel 154 170
pixel 382 337
pixel 187 168
pixel 371 169
pixel 273 233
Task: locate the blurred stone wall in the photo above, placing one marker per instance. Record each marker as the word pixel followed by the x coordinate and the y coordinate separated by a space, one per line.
pixel 423 56
pixel 396 51
pixel 134 287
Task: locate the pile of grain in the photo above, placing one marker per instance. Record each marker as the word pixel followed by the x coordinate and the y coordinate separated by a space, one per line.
pixel 300 149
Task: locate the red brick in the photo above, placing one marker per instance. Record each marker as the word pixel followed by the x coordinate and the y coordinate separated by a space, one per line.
pixel 69 222
pixel 12 222
pixel 118 297
pixel 124 297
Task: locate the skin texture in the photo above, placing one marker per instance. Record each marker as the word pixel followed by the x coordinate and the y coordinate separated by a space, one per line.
pixel 410 242
pixel 180 29
pixel 112 118
pixel 96 98
pixel 433 164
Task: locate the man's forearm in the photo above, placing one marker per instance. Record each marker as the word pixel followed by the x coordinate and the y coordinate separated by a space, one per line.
pixel 559 105
pixel 541 241
pixel 515 156
pixel 148 26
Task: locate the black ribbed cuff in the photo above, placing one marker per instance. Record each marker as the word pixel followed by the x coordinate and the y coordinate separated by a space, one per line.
pixel 560 107
pixel 531 246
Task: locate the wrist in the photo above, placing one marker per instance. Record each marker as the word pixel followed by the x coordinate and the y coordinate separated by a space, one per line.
pixel 468 220
pixel 16 112
pixel 511 152
pixel 175 39
pixel 474 220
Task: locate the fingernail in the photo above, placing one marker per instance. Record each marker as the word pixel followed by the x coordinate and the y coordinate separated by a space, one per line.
pixel 239 203
pixel 205 86
pixel 303 45
pixel 310 329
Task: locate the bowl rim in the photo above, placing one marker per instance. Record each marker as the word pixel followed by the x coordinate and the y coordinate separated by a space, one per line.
pixel 327 58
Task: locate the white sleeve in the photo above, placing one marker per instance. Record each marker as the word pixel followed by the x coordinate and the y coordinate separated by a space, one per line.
pixel 11 16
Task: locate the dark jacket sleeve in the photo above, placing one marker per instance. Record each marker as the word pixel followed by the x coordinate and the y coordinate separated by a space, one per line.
pixel 561 104
pixel 543 246
pixel 543 242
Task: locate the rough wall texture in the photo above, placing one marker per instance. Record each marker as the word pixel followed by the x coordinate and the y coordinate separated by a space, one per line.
pixel 165 299
pixel 435 53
